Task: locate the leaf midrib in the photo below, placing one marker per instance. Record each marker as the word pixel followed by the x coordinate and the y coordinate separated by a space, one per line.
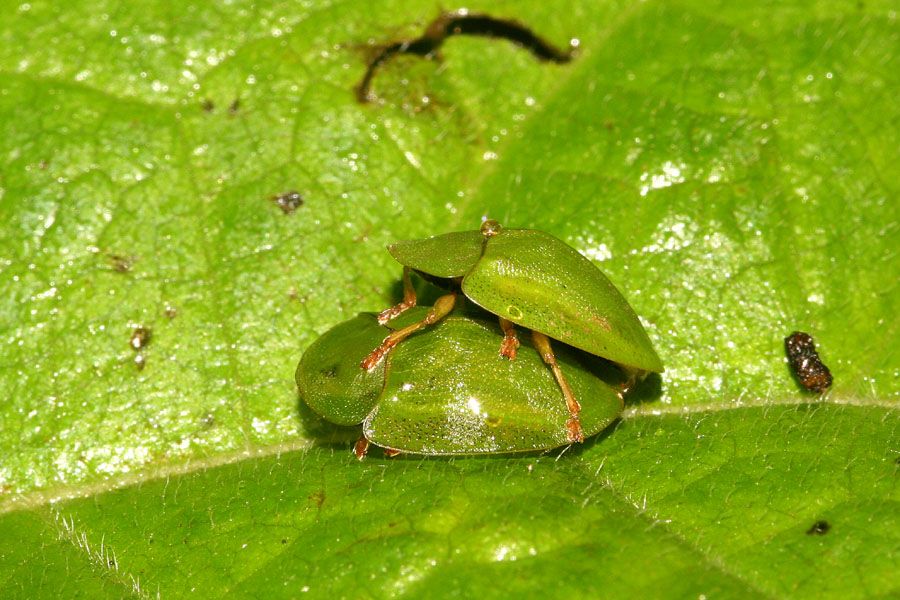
pixel 36 499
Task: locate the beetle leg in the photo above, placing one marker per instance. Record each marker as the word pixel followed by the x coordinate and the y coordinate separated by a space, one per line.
pixel 361 447
pixel 409 300
pixel 542 344
pixel 634 377
pixel 391 453
pixel 510 340
pixel 441 308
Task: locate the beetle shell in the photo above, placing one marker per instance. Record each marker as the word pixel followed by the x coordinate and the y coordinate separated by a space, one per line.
pixel 538 281
pixel 449 255
pixel 447 391
pixel 329 377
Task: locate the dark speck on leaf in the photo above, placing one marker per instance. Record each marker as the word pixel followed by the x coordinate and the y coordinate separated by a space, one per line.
pixel 819 528
pixel 288 201
pixel 121 264
pixel 235 106
pixel 208 105
pixel 140 337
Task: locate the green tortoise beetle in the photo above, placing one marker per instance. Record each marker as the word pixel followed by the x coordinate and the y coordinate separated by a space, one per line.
pixel 531 279
pixel 446 390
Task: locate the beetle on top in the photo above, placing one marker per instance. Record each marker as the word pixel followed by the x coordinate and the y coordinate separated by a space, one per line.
pixel 531 279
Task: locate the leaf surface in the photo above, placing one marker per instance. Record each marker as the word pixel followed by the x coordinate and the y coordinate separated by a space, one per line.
pixel 731 169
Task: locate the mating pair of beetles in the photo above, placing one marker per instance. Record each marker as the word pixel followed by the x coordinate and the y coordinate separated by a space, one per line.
pixel 465 385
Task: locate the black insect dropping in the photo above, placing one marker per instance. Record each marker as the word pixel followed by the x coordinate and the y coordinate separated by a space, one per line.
pixel 819 528
pixel 462 23
pixel 805 363
pixel 288 201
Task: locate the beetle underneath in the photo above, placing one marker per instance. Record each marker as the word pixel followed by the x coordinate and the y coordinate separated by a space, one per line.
pixel 446 391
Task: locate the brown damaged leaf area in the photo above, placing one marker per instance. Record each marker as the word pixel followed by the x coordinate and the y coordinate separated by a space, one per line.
pixel 461 22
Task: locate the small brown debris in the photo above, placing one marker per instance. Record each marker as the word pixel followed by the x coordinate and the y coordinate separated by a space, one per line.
pixel 121 264
pixel 805 362
pixel 288 201
pixel 140 337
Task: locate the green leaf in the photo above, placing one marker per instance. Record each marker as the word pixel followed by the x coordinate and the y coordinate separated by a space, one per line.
pixel 732 170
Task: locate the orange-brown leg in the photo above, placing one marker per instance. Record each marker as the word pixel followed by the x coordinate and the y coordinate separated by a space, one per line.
pixel 361 447
pixel 542 344
pixel 510 340
pixel 391 453
pixel 409 300
pixel 441 308
pixel 634 376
